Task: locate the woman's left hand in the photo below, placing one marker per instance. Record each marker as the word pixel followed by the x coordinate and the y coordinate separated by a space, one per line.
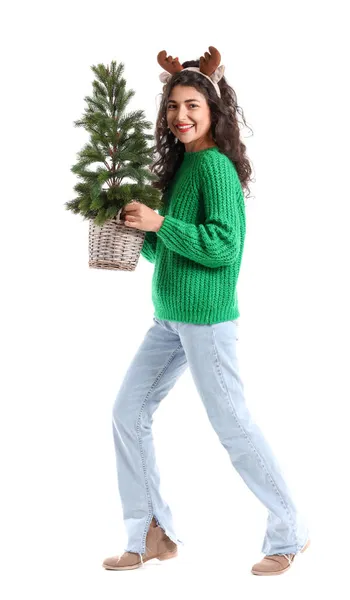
pixel 140 216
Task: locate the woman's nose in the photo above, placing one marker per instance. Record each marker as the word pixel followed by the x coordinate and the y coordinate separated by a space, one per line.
pixel 182 115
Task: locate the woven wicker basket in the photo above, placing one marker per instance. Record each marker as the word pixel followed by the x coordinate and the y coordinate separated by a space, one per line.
pixel 114 246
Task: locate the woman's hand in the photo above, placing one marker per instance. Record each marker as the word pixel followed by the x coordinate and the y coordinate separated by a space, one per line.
pixel 140 216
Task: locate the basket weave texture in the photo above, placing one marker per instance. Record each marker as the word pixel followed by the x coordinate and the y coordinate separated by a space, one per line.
pixel 114 246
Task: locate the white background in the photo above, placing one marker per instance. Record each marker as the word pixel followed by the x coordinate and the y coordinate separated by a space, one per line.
pixel 68 332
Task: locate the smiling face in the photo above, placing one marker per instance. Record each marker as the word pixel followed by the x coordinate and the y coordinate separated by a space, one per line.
pixel 187 106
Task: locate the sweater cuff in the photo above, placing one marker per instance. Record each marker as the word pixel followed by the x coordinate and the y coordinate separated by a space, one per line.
pixel 164 217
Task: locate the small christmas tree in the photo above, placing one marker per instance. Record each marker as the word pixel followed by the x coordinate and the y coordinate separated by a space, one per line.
pixel 118 144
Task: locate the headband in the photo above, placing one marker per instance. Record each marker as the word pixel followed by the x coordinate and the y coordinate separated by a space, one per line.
pixel 208 67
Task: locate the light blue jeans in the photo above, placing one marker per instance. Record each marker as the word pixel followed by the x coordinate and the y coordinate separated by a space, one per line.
pixel 167 349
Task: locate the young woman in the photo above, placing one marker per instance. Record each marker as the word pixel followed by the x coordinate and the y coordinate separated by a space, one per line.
pixel 196 243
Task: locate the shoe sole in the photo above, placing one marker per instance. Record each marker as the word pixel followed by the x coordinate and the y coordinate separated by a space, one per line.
pixel 161 557
pixel 283 570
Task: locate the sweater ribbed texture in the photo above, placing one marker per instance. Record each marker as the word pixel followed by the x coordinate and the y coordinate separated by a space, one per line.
pixel 197 252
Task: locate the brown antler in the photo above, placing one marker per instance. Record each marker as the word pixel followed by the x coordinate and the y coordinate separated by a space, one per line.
pixel 208 63
pixel 169 63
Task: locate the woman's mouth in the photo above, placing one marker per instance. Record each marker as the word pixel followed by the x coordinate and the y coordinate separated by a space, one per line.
pixel 184 129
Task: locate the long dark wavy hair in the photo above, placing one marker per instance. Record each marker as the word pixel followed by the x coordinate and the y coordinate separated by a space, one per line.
pixel 224 128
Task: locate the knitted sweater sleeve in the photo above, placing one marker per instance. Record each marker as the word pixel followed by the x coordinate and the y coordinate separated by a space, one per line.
pixel 216 242
pixel 148 249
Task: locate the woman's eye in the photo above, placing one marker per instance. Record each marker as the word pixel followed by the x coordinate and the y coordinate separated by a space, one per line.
pixel 195 106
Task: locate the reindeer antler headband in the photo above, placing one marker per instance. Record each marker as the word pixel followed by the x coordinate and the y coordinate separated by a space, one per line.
pixel 208 67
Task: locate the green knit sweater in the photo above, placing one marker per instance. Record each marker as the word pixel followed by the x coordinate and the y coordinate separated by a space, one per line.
pixel 197 252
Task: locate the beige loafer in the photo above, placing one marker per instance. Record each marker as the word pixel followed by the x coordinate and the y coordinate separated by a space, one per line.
pixel 275 564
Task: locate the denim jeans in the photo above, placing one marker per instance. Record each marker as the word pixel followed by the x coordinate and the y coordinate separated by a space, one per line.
pixel 167 349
